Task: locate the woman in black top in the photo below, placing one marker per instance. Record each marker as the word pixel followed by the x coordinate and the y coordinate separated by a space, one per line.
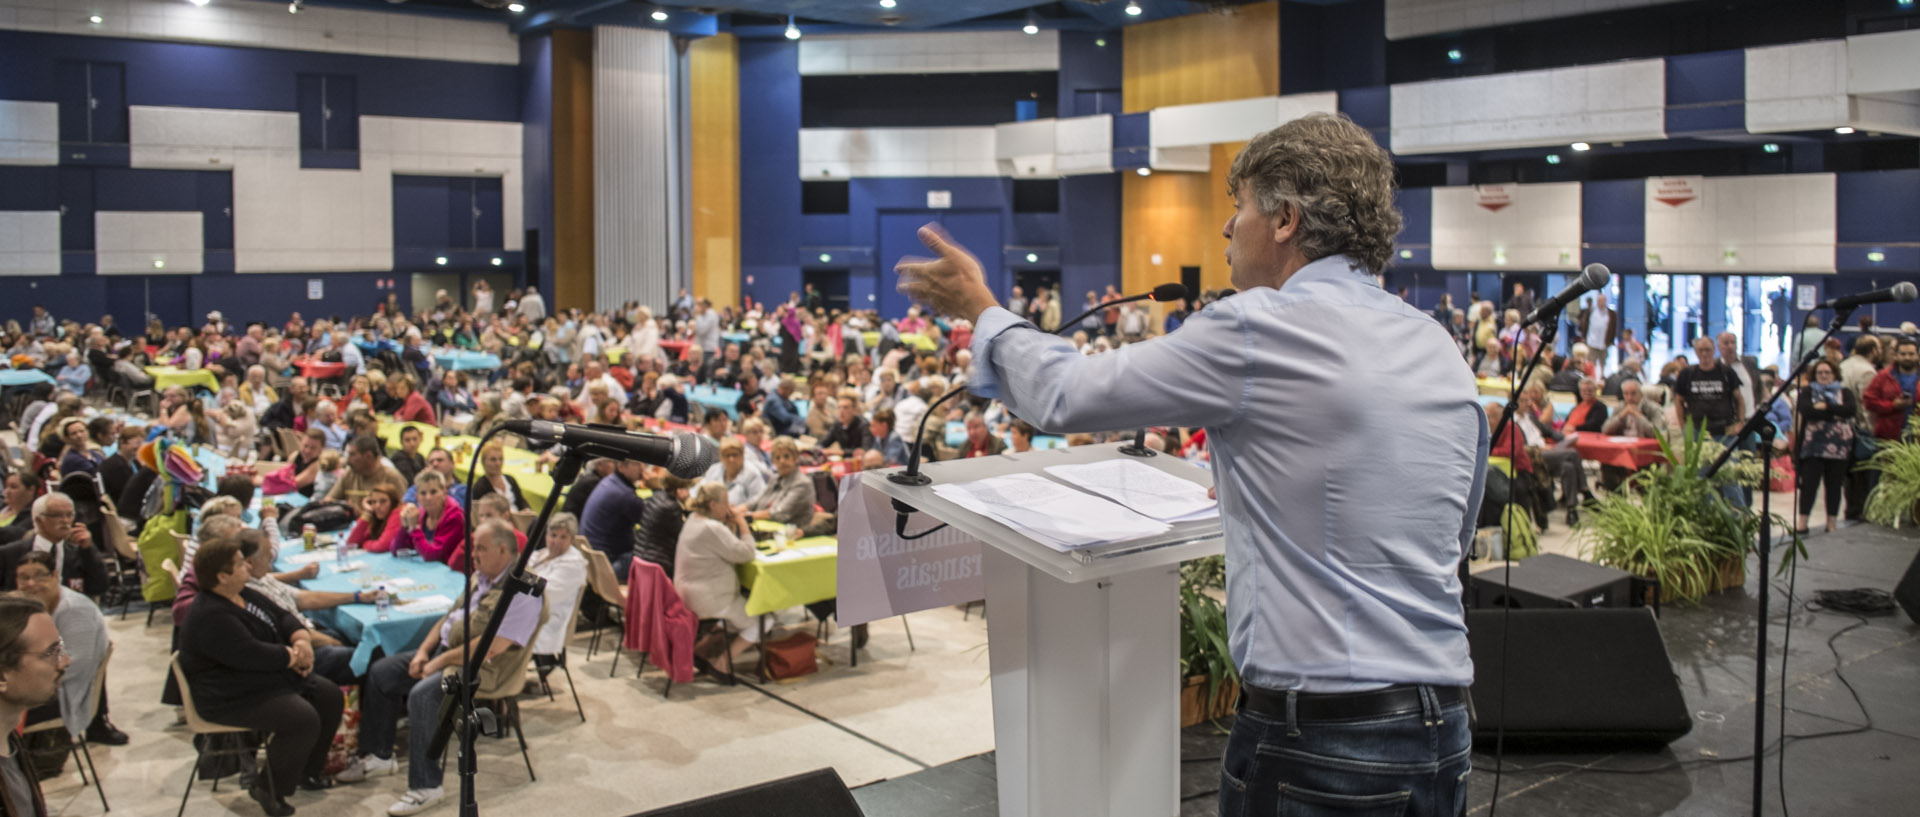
pixel 658 535
pixel 492 481
pixel 1825 416
pixel 251 664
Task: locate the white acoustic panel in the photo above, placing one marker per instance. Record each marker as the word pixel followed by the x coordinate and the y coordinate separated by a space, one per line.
pixel 1084 145
pixel 1883 63
pixel 453 147
pixel 1235 120
pixel 29 133
pixel 1512 226
pixel 1797 87
pixel 268 25
pixel 1419 18
pixel 842 153
pixel 1591 103
pixel 288 219
pixel 1027 149
pixel 206 138
pixel 929 52
pixel 147 243
pixel 1741 224
pixel 639 241
pixel 29 242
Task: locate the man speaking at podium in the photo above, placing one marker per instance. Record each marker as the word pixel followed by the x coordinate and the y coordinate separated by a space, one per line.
pixel 1348 453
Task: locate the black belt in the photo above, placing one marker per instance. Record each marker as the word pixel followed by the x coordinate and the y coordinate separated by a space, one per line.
pixel 1340 706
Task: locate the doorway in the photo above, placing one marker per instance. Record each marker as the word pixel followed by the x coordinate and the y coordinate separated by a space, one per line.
pixel 832 284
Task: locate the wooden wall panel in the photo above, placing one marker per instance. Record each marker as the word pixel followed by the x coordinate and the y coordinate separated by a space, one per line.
pixel 1202 58
pixel 714 75
pixel 1167 214
pixel 572 168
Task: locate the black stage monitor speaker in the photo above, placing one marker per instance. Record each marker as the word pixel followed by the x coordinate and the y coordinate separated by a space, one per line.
pixel 1574 678
pixel 818 793
pixel 1552 580
pixel 1908 593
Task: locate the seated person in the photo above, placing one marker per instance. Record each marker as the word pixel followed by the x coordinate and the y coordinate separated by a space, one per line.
pixel 31 660
pixel 493 481
pixel 744 479
pixel 612 513
pixel 1590 414
pixel 379 520
pixel 849 432
pixel 565 570
pixel 409 685
pixel 84 632
pixel 576 500
pixel 893 450
pixel 439 459
pixel 408 460
pixel 433 525
pixel 980 442
pixel 54 532
pixel 16 515
pixel 716 538
pixel 366 467
pixel 788 497
pixel 491 506
pixel 661 520
pixel 251 664
pixel 331 656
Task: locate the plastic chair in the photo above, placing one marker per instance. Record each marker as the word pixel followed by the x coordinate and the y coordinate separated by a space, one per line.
pixel 613 594
pixel 545 664
pixel 79 746
pixel 201 726
pixel 504 698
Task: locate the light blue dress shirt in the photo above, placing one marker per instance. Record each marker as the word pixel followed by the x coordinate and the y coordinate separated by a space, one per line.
pixel 1348 447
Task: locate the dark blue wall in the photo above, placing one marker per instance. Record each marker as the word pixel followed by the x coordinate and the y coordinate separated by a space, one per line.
pixel 1707 93
pixel 769 168
pixel 261 79
pixel 536 154
pixel 1090 74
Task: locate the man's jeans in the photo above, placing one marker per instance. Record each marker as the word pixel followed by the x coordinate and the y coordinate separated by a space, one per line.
pixel 389 686
pixel 1406 763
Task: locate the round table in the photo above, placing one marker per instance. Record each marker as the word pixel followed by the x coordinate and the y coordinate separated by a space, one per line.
pixel 1622 452
pixel 676 348
pixel 460 360
pixel 319 369
pixel 168 376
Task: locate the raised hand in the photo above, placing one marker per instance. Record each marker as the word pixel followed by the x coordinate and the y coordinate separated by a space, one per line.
pixel 951 284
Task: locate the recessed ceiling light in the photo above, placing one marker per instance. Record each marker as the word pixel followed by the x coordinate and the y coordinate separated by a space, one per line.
pixel 1133 9
pixel 1033 258
pixel 199 2
pixel 159 263
pixel 516 8
pixel 1843 130
pixel 660 15
pixel 1581 146
pixel 1030 28
pixel 1100 43
pixel 887 4
pixel 496 261
pixel 293 7
pixel 442 260
pixel 96 19
pixel 793 31
pixel 1145 171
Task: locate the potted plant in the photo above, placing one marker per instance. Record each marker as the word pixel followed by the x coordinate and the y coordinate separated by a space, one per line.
pixel 1210 681
pixel 1669 522
pixel 1896 497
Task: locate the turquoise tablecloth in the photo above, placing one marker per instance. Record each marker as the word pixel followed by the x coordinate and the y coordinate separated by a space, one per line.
pixel 727 400
pixel 957 436
pixel 408 578
pixel 736 337
pixel 23 377
pixel 461 360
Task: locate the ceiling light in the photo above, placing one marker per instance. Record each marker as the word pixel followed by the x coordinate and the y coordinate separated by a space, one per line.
pixel 793 31
pixel 1030 27
pixel 96 19
pixel 293 7
pixel 1876 256
pixel 442 260
pixel 1581 146
pixel 660 15
pixel 1843 130
pixel 496 261
pixel 198 2
pixel 516 8
pixel 826 258
pixel 1033 258
pixel 1133 8
pixel 1406 253
pixel 887 4
pixel 159 263
pixel 1145 171
pixel 1553 158
pixel 1454 55
pixel 1100 43
pixel 1770 147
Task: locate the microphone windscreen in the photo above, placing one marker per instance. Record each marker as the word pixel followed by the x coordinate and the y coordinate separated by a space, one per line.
pixel 1905 292
pixel 693 454
pixel 1595 276
pixel 1165 293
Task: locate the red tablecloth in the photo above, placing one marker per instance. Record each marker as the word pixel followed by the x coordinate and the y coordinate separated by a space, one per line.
pixel 838 468
pixel 678 348
pixel 1624 452
pixel 320 369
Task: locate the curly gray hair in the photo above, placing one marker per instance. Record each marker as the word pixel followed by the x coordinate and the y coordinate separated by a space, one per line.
pixel 1333 174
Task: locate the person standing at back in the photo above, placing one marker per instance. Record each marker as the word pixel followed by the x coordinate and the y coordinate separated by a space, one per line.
pixel 1345 623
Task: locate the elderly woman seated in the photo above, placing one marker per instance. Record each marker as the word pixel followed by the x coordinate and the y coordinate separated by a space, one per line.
pixel 716 537
pixel 250 663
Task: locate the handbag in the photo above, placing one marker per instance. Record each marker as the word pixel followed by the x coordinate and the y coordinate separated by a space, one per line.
pixel 790 657
pixel 1865 445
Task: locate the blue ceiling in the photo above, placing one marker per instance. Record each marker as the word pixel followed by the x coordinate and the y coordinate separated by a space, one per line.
pixel 812 15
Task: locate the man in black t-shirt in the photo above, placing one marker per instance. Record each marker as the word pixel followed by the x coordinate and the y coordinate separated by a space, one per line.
pixel 1709 392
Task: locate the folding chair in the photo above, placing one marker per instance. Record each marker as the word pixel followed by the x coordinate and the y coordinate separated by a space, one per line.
pixel 201 726
pixel 79 746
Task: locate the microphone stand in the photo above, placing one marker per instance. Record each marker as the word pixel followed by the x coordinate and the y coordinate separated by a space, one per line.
pixel 457 709
pixel 1758 425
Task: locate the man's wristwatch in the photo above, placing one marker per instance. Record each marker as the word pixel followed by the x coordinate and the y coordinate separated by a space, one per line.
pixel 356 597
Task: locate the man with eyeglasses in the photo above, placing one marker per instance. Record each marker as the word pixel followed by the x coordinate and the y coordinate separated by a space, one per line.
pixel 32 661
pixel 71 546
pixel 83 631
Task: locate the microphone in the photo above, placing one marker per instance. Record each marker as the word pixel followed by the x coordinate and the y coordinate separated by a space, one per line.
pixel 1593 277
pixel 1163 293
pixel 1902 292
pixel 685 455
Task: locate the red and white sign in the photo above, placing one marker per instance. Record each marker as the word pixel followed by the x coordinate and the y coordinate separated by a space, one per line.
pixel 1492 196
pixel 1674 191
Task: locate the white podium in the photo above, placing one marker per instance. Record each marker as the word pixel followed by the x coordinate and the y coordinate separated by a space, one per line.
pixel 1084 648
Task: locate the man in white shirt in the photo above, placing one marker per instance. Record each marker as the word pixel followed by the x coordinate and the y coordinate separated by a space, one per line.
pixel 597 373
pixel 706 327
pixel 532 306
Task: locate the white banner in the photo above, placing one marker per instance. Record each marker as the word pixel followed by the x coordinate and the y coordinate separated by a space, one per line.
pixel 881 576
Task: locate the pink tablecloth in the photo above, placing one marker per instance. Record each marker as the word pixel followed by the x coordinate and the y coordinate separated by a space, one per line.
pixel 676 348
pixel 319 369
pixel 1624 452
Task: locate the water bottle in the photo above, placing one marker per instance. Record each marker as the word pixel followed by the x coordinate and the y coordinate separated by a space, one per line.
pixel 382 602
pixel 340 548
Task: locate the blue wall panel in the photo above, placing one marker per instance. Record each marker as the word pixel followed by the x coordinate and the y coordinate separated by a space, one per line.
pixel 1089 237
pixel 1881 206
pixel 1089 74
pixel 1370 108
pixel 29 188
pixel 1416 216
pixel 536 155
pixel 769 169
pixel 216 76
pixel 1706 93
pixel 1131 139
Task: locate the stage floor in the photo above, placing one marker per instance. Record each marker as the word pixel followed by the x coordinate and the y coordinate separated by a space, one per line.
pixel 1868 772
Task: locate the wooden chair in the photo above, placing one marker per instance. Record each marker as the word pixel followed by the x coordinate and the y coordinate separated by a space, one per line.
pixel 79 745
pixel 288 442
pixel 201 726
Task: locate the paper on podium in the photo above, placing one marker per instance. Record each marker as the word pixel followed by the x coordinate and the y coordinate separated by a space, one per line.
pixel 1049 512
pixel 1145 489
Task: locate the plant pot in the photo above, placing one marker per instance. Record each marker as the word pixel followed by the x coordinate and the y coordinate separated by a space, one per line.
pixel 1732 573
pixel 1193 699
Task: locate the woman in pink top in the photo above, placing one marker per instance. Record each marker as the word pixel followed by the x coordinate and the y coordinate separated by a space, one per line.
pixel 435 527
pixel 379 520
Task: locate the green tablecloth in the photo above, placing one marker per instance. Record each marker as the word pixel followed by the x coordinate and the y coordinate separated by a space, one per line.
pixel 408 579
pixel 806 572
pixel 164 376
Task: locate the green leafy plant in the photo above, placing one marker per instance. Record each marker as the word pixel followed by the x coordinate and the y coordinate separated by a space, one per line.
pixel 1203 626
pixel 1893 498
pixel 1516 526
pixel 1669 522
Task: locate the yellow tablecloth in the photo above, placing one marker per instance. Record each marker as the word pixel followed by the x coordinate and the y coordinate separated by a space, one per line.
pixel 164 376
pixel 806 572
pixel 1497 386
pixel 534 486
pixel 614 353
pixel 911 339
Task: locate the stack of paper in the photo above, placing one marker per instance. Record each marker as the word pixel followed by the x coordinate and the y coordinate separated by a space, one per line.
pixel 1052 514
pixel 425 604
pixel 1142 487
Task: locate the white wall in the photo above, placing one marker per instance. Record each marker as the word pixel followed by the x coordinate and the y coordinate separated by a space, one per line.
pixel 268 25
pixel 1617 101
pixel 29 133
pixel 1538 228
pixel 29 242
pixel 1418 18
pixel 1231 121
pixel 1797 87
pixel 1771 224
pixel 1084 145
pixel 1027 149
pixel 135 242
pixel 842 153
pixel 929 52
